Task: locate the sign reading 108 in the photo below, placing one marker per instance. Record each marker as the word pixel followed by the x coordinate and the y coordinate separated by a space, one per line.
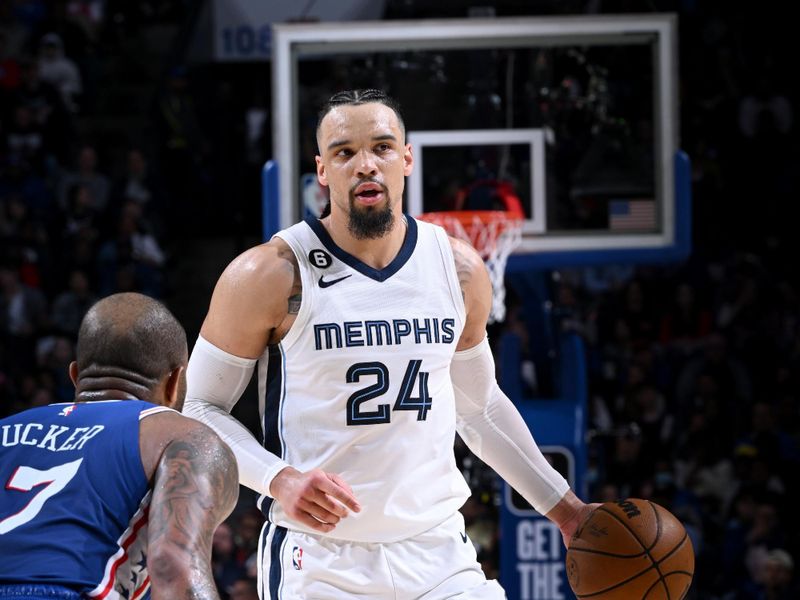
pixel 246 41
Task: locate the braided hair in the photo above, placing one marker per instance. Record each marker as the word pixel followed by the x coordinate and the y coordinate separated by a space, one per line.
pixel 358 97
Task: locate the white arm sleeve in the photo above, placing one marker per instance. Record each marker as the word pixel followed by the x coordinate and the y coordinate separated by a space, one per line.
pixel 493 429
pixel 216 381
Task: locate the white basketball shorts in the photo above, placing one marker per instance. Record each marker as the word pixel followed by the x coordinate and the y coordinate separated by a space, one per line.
pixel 437 564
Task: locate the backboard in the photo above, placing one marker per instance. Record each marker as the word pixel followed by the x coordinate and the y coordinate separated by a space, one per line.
pixel 577 114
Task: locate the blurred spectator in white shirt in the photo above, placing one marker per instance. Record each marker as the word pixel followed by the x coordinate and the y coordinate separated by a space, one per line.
pixel 59 70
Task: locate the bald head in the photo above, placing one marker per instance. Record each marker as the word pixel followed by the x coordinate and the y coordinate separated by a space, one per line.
pixel 130 336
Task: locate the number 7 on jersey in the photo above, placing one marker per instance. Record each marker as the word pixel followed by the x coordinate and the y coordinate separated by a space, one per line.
pixel 24 479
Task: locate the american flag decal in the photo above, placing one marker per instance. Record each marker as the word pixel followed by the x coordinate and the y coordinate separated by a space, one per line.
pixel 632 215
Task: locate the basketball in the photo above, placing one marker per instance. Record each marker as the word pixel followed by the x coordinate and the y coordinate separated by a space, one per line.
pixel 628 550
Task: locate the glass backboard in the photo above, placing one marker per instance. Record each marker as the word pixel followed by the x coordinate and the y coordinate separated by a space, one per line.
pixel 577 114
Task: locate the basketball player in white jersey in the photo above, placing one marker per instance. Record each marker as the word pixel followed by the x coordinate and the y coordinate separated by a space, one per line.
pixel 369 330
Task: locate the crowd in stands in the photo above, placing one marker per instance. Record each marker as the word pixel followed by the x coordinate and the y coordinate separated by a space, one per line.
pixel 694 368
pixel 79 219
pixel 694 404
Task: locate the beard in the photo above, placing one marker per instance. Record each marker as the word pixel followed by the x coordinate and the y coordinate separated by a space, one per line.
pixel 370 222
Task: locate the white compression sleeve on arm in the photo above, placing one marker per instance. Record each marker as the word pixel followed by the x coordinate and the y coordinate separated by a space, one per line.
pixel 493 429
pixel 216 381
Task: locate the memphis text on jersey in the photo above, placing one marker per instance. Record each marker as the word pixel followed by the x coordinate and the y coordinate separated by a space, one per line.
pixel 329 336
pixel 56 438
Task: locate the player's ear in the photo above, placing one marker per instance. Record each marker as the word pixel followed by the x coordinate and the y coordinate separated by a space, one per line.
pixel 73 373
pixel 408 159
pixel 321 176
pixel 175 388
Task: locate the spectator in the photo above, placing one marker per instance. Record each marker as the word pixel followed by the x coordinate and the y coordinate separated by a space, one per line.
pixel 145 248
pixel 47 109
pixel 243 589
pixel 627 469
pixel 135 184
pixel 138 185
pixel 86 174
pixel 636 309
pixel 703 466
pixel 79 252
pixel 60 71
pixel 765 110
pixel 132 249
pixel 26 239
pixel 23 312
pixel 225 566
pixel 71 305
pixel 776 447
pixel 686 323
pixel 774 579
pixel 655 422
pixel 603 279
pixel 54 355
pixel 715 376
pixel 88 14
pixel 765 530
pixel 81 217
pixel 22 308
pixel 13 28
pixel 247 532
pixel 180 148
pixel 9 68
pixel 25 144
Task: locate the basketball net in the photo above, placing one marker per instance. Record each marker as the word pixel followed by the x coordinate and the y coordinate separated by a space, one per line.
pixel 494 234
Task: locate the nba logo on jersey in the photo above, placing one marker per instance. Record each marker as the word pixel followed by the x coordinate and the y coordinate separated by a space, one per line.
pixel 297 558
pixel 66 410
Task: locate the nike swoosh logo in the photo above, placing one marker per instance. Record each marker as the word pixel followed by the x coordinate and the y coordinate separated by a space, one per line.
pixel 463 536
pixel 324 284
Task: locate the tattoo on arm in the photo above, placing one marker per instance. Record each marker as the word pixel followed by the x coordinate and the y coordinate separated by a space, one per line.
pixel 464 268
pixel 196 487
pixel 294 303
pixel 290 264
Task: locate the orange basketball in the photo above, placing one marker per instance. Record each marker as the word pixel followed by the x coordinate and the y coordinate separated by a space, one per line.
pixel 630 550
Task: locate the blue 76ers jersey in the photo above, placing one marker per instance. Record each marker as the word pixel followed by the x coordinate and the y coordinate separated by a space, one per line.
pixel 74 498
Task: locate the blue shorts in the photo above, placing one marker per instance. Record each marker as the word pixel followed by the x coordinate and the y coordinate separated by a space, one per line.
pixel 37 591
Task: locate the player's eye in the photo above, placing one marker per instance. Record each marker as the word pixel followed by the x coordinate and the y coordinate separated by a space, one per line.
pixel 344 152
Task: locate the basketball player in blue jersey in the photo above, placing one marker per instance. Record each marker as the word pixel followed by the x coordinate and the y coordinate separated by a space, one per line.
pixel 115 495
pixel 369 330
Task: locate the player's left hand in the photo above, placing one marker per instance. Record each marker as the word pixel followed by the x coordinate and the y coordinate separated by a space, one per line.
pixel 570 525
pixel 568 514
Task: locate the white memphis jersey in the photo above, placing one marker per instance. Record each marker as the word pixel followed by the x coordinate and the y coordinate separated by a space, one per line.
pixel 360 385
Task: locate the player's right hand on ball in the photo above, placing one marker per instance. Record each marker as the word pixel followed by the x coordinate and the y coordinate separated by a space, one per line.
pixel 316 499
